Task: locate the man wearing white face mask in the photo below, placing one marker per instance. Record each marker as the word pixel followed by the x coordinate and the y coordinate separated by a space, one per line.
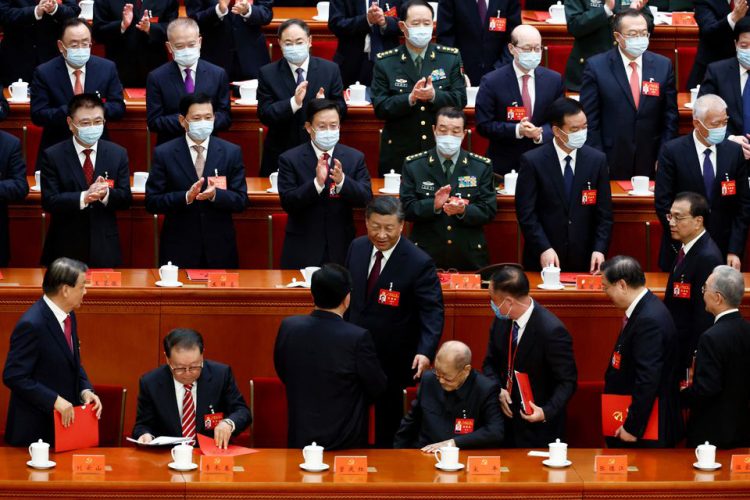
pixel 630 100
pixel 563 198
pixel 187 74
pixel 449 196
pixel 74 72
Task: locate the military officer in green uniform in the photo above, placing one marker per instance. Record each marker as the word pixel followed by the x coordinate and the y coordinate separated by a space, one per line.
pixel 410 83
pixel 590 25
pixel 449 196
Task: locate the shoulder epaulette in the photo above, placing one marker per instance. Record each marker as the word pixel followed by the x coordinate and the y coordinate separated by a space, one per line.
pixel 415 156
pixel 481 158
pixel 387 53
pixel 449 50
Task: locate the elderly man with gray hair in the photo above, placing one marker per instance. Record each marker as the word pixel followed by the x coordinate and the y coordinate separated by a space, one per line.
pixel 719 395
pixel 705 163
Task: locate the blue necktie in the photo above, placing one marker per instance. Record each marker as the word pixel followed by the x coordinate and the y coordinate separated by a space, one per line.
pixel 746 107
pixel 300 75
pixel 515 335
pixel 708 174
pixel 568 177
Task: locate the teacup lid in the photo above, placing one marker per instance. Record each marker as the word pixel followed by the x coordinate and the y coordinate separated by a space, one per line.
pixel 393 174
pixel 512 173
pixel 356 85
pixel 168 265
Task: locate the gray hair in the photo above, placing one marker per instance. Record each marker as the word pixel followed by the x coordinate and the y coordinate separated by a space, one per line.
pixel 730 284
pixel 459 351
pixel 62 271
pixel 705 103
pixel 182 22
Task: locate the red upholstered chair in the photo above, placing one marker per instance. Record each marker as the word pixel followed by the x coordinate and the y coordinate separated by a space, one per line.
pixel 32 138
pixel 684 60
pixel 324 48
pixel 584 422
pixel 276 233
pixel 556 57
pixel 112 424
pixel 410 394
pixel 269 411
pixel 653 244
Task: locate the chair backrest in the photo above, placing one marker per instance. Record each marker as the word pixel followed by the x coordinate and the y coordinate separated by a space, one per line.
pixel 33 139
pixel 584 423
pixel 684 61
pixel 324 49
pixel 269 410
pixel 112 423
pixel 276 233
pixel 654 234
pixel 557 57
pixel 410 394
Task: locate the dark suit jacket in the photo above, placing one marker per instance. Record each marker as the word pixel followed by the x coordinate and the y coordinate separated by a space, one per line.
pixel 723 79
pixel 330 366
pixel 276 85
pixel 631 141
pixel 233 39
pixel 134 52
pixel 39 368
pixel 720 394
pixel 498 91
pixel 202 233
pixel 158 410
pixel 51 92
pixel 715 37
pixel 680 170
pixel 164 89
pixel 482 50
pixel 433 415
pixel 347 19
pixel 13 187
pixel 90 235
pixel 319 226
pixel 545 354
pixel 542 208
pixel 27 42
pixel 416 324
pixel 649 369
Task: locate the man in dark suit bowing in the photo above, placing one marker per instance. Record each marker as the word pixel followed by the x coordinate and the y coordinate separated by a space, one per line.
pixel 286 86
pixel 320 182
pixel 630 100
pixel 232 36
pixel 328 364
pixel 719 394
pixel 704 162
pixel 74 72
pixel 480 29
pixel 13 187
pixel 563 198
pixel 197 181
pixel 85 181
pixel 512 101
pixel 644 362
pixel 363 28
pixel 396 295
pixel 43 369
pixel 187 74
pixel 527 338
pixel 189 395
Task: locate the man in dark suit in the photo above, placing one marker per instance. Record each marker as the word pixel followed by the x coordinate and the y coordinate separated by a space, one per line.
pixel 320 182
pixel 133 33
pixel 480 30
pixel 529 339
pixel 564 180
pixel 85 181
pixel 197 182
pixel 512 102
pixel 719 395
pixel 328 364
pixel 703 162
pixel 30 29
pixel 644 363
pixel 363 28
pixel 232 34
pixel 396 295
pixel 186 74
pixel 286 86
pixel 43 369
pixel 630 100
pixel 189 395
pixel 13 187
pixel 455 406
pixel 73 72
pixel 697 257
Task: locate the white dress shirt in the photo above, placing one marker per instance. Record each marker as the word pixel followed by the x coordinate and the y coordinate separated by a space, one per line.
pixel 71 69
pixel 194 155
pixel 179 389
pixel 700 149
pixel 81 158
pixel 561 154
pixel 635 302
pixel 523 320
pixel 687 246
pixel 60 315
pixel 384 260
pixel 192 72
pixel 628 70
pixel 743 78
pixel 722 314
pixel 318 154
pixel 532 95
pixel 293 69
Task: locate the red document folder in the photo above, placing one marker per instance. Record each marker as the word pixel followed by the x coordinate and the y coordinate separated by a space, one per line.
pixel 135 93
pixel 201 274
pixel 524 388
pixel 615 411
pixel 83 433
pixel 209 448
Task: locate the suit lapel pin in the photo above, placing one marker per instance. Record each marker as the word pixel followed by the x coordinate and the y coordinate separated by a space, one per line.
pixel 432 55
pixel 430 160
pixel 403 57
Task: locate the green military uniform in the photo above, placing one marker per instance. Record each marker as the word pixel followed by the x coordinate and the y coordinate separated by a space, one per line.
pixel 452 241
pixel 591 30
pixel 408 129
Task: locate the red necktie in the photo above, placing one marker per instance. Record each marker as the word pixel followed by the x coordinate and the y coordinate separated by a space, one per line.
pixel 635 86
pixel 482 10
pixel 68 331
pixel 624 321
pixel 188 413
pixel 525 96
pixel 327 186
pixel 77 87
pixel 731 5
pixel 375 272
pixel 88 167
pixel 680 258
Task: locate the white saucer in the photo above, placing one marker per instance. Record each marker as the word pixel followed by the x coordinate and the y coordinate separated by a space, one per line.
pixel 449 468
pixel 551 287
pixel 36 188
pixel 274 191
pixel 314 468
pixel 167 284
pixel 134 189
pixel 566 463
pixel 19 101
pixel 641 193
pixel 689 105
pixel 318 18
pixel 550 21
pixel 387 191
pixel 505 193
pixel 182 468
pixel 242 102
pixel 715 466
pixel 357 103
pixel 48 465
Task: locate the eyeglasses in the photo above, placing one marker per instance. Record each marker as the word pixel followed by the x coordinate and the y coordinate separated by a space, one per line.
pixel 77 45
pixel 678 218
pixel 704 289
pixel 183 370
pixel 325 128
pixel 636 34
pixel 537 49
pixel 443 377
pixel 88 123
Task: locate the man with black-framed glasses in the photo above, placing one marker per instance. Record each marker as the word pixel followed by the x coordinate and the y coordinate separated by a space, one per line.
pixel 189 395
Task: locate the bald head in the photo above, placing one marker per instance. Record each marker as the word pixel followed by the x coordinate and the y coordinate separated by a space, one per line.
pixel 454 354
pixel 526 47
pixel 525 34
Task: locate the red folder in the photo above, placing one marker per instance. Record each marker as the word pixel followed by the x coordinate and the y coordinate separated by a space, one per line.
pixel 82 433
pixel 208 447
pixel 539 16
pixel 615 411
pixel 628 186
pixel 135 93
pixel 568 278
pixel 201 274
pixel 524 389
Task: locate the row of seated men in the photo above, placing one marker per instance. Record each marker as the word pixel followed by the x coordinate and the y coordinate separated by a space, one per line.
pixel 375 329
